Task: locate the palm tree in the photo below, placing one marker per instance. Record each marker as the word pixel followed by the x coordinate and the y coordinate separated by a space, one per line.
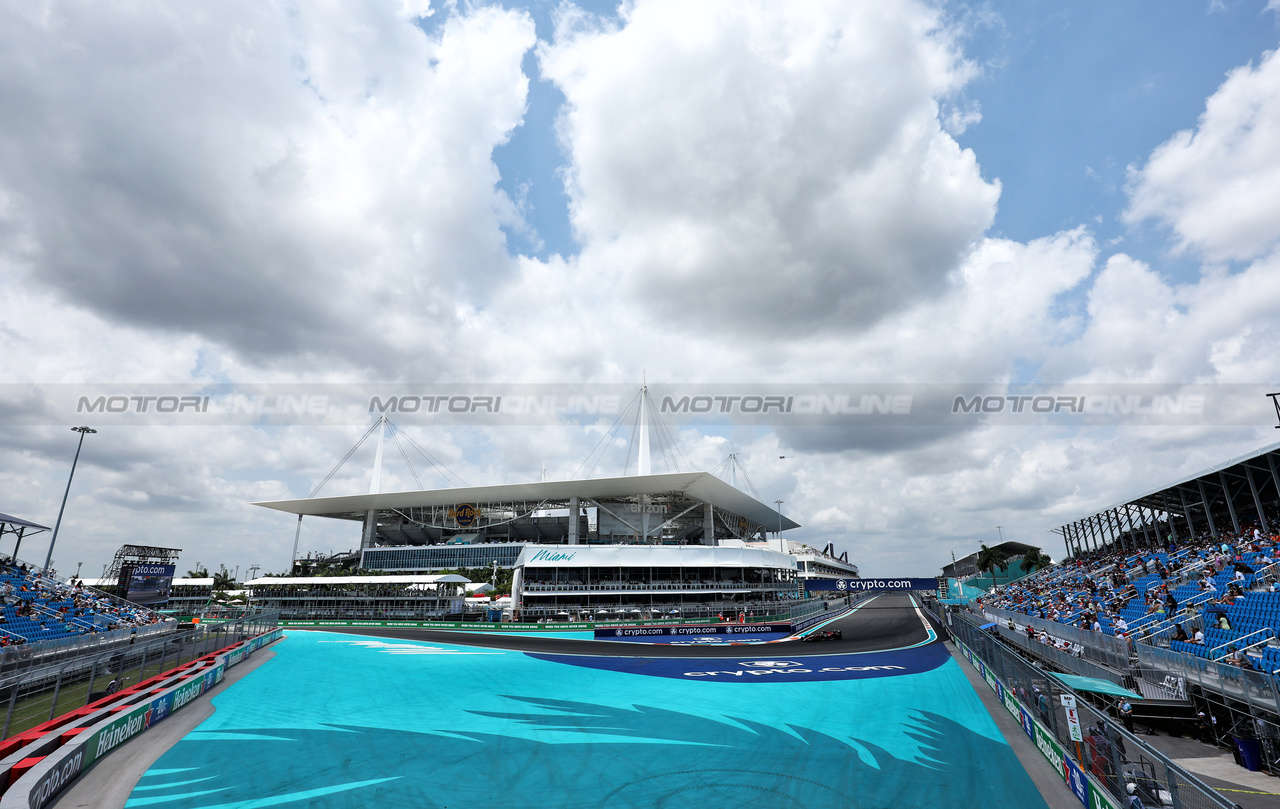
pixel 223 581
pixel 1035 559
pixel 990 560
pixel 198 573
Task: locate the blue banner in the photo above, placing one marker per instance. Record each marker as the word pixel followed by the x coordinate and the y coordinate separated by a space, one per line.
pixel 664 633
pixel 1027 723
pixel 1076 781
pixel 790 665
pixel 866 585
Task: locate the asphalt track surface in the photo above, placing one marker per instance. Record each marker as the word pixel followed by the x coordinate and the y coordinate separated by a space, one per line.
pixel 883 622
pixel 882 719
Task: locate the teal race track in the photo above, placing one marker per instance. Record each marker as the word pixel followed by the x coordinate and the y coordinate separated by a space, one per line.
pixel 341 720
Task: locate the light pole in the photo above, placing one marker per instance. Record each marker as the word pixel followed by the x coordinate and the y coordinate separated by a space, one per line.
pixel 780 545
pixel 82 430
pixel 78 566
pixel 1001 534
pixel 493 580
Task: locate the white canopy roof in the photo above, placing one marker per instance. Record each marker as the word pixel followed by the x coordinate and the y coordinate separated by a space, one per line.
pixel 449 578
pixel 696 485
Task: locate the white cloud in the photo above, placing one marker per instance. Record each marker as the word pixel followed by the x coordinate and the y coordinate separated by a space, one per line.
pixel 280 180
pixel 1218 187
pixel 769 166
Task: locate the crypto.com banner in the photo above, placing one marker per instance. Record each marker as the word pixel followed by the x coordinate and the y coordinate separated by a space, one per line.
pixel 781 404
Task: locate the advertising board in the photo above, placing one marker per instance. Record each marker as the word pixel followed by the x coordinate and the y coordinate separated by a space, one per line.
pixel 149 583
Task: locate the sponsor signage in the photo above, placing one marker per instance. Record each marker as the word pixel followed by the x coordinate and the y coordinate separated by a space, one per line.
pixel 53 781
pixel 1099 798
pixel 1028 724
pixel 1049 747
pixel 763 669
pixel 1011 705
pixel 865 585
pixel 740 630
pixel 552 556
pixel 465 515
pixel 74 761
pixel 1076 781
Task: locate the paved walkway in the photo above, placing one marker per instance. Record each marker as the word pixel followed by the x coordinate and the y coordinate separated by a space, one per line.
pixel 109 784
pixel 1218 768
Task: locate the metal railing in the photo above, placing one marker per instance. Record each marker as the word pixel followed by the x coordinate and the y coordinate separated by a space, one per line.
pixel 17 658
pixel 37 694
pixel 1254 688
pixel 1105 649
pixel 1062 659
pixel 1115 757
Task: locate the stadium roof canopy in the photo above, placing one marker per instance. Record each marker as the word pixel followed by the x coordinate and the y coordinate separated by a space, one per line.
pixel 7 520
pixel 314 581
pixel 701 486
pixel 1235 495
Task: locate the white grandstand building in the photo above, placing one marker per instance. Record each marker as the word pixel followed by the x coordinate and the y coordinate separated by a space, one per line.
pixel 639 545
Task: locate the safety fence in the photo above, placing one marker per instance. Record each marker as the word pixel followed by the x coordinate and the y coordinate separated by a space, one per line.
pixel 57 754
pixel 42 653
pixel 1101 763
pixel 1105 649
pixel 1176 670
pixel 38 693
pixel 1062 658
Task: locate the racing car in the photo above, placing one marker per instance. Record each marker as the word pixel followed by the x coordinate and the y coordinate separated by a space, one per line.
pixel 825 634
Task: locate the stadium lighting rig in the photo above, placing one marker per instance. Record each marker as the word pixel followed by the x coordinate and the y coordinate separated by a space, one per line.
pixel 83 431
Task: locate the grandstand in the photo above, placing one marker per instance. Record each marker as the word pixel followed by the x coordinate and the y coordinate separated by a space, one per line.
pixel 1182 604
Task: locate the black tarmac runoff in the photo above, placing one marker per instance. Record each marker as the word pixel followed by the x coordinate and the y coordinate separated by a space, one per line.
pixel 883 622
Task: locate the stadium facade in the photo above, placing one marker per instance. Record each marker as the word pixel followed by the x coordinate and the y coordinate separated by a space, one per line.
pixel 679 543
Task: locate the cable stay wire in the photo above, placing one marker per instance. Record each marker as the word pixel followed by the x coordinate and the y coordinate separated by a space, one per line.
pixel 751 486
pixel 395 436
pixel 449 476
pixel 667 443
pixel 603 438
pixel 635 428
pixel 345 458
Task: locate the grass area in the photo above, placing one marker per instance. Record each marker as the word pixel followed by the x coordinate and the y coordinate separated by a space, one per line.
pixel 37 705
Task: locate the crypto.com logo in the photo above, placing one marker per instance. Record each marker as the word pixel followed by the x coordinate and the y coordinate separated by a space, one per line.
pixel 769 664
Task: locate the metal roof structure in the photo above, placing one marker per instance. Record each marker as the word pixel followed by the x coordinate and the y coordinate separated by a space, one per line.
pixel 19 527
pixel 1233 495
pixel 18 522
pixel 316 581
pixel 471 515
pixel 701 486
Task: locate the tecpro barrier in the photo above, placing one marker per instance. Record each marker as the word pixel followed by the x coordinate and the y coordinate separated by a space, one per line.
pixel 116 725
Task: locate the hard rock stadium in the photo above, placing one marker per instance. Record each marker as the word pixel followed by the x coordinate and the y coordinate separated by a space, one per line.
pixel 664 645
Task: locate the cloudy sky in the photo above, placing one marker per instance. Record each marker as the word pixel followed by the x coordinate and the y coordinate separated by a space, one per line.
pixel 738 193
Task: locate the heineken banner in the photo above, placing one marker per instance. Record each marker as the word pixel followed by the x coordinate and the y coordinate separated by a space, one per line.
pixel 64 766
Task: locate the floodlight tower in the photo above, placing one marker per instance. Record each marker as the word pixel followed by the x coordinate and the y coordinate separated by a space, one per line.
pixel 83 431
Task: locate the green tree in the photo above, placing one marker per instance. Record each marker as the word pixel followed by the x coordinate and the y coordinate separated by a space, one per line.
pixel 198 573
pixel 990 560
pixel 1035 559
pixel 223 580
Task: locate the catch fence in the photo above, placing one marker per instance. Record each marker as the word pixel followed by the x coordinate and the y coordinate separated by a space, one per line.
pixel 37 693
pixel 1123 763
